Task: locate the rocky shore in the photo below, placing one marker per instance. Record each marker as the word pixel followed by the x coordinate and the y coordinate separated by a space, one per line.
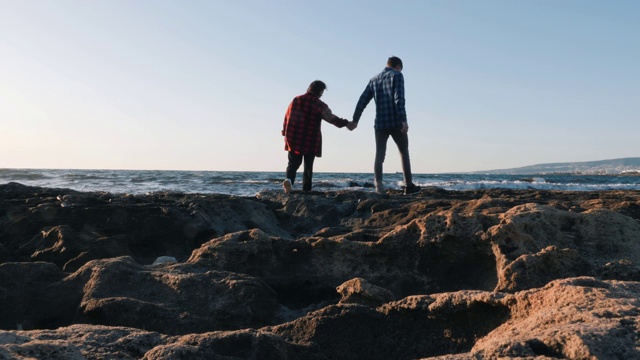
pixel 322 275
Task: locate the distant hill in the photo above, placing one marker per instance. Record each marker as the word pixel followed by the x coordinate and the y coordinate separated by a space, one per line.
pixel 601 167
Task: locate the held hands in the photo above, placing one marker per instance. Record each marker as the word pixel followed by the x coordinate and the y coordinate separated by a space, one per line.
pixel 352 125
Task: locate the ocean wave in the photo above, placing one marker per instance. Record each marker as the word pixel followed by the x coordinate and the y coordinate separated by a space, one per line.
pixel 23 177
pixel 245 181
pixel 250 183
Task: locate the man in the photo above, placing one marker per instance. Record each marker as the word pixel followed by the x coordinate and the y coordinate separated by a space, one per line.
pixel 301 131
pixel 387 89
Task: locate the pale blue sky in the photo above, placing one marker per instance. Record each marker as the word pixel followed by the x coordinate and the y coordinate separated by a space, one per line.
pixel 204 85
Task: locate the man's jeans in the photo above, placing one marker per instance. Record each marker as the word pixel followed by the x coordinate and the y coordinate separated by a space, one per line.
pixel 295 160
pixel 402 141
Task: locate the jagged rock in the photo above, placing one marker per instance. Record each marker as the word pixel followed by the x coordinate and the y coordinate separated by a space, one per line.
pixel 359 291
pixel 620 269
pixel 406 329
pixel 69 248
pixel 240 344
pixel 70 228
pixel 578 318
pixel 535 244
pixel 308 270
pixel 120 292
pixel 284 276
pixel 79 342
pixel 35 296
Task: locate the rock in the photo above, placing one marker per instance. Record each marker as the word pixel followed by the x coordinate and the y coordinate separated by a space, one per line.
pixel 69 248
pixel 359 291
pixel 578 318
pixel 99 225
pixel 240 344
pixel 162 260
pixel 172 300
pixel 620 269
pixel 35 296
pixel 79 342
pixel 535 244
pixel 410 328
pixel 320 275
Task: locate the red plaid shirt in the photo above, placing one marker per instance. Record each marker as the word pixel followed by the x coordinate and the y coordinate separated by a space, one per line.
pixel 301 128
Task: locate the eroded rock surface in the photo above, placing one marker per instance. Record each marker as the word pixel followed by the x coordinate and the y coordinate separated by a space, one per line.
pixel 324 275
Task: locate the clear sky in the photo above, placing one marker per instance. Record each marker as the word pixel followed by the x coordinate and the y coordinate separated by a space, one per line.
pixel 204 85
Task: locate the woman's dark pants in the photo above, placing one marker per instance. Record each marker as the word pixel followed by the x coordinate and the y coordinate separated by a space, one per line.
pixel 295 160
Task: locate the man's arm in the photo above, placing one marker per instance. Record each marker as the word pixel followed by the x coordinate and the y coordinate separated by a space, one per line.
pixel 398 97
pixel 366 96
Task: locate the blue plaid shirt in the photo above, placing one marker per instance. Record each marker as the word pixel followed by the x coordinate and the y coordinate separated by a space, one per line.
pixel 387 88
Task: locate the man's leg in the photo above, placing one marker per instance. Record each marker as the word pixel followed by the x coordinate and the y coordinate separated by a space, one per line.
pixel 381 150
pixel 402 141
pixel 308 172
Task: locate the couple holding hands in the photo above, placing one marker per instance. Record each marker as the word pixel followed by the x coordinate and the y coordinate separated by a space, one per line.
pixel 302 122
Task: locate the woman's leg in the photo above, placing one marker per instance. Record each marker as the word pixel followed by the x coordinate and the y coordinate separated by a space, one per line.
pixel 308 172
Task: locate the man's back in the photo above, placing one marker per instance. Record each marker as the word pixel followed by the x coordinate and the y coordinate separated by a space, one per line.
pixel 387 90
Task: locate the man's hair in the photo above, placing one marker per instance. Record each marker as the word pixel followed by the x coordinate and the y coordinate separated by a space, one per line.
pixel 394 61
pixel 316 88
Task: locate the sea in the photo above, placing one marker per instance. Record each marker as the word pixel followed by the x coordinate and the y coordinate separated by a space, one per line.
pixel 250 183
